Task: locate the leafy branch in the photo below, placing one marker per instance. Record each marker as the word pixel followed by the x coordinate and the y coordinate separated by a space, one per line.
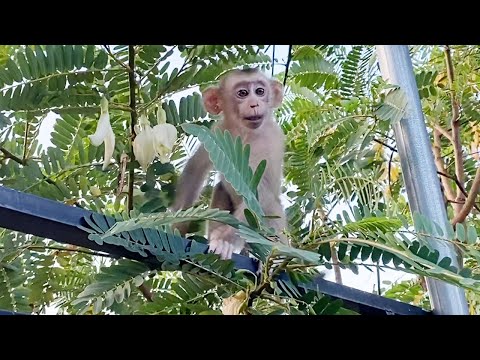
pixel 112 55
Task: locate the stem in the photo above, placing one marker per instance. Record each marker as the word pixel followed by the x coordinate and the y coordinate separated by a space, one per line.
pixel 444 132
pixel 25 142
pixel 266 283
pixel 386 145
pixel 378 281
pixel 457 146
pixel 49 177
pixel 128 68
pixel 9 155
pixel 59 248
pixel 458 184
pixel 441 166
pixel 336 267
pixel 56 75
pixel 72 108
pixel 390 171
pixel 273 59
pixel 470 202
pixel 133 121
pixel 289 58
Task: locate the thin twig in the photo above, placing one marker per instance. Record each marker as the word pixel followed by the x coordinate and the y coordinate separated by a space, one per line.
pixel 444 132
pixel 441 166
pixel 266 283
pixel 25 141
pixel 59 248
pixel 133 121
pixel 386 145
pixel 273 59
pixel 9 155
pixel 461 188
pixel 287 66
pixel 129 68
pixel 336 267
pixel 470 202
pixel 389 171
pixel 457 146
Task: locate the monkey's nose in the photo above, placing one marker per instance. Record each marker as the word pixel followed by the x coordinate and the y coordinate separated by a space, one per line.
pixel 254 106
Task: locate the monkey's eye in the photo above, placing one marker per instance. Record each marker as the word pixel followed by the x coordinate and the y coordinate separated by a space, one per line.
pixel 260 91
pixel 242 93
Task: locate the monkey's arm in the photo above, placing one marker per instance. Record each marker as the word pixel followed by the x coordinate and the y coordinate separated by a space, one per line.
pixel 191 181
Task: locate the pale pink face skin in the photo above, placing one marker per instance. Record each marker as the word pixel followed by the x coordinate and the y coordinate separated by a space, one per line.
pixel 249 98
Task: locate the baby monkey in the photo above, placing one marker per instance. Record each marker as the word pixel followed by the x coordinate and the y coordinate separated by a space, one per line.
pixel 247 99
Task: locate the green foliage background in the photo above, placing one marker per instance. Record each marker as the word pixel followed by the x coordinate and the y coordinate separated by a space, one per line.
pixel 337 118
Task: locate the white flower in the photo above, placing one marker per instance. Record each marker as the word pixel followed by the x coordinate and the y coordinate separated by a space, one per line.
pixel 164 136
pixel 104 133
pixel 143 145
pixel 233 305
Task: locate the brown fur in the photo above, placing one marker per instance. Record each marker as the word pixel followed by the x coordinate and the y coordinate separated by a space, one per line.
pixel 248 113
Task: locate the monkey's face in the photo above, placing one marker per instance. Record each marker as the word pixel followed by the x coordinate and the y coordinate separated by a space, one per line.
pixel 251 99
pixel 246 99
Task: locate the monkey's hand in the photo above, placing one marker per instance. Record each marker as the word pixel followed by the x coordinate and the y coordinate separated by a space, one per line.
pixel 224 242
pixel 182 227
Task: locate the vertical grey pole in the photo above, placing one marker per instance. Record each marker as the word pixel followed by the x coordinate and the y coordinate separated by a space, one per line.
pixel 419 172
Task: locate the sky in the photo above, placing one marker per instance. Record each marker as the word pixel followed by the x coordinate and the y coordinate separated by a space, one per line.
pixel 365 280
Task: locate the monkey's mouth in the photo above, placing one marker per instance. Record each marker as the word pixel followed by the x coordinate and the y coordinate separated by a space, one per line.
pixel 254 121
pixel 254 117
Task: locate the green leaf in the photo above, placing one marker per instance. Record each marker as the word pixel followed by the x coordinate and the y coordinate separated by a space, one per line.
pixel 332 308
pixel 220 147
pixel 32 61
pixel 78 56
pixel 22 62
pixel 342 251
pixel 89 56
pixel 14 71
pixel 393 107
pixel 127 289
pixel 101 60
pixel 251 219
pixel 119 294
pixel 376 253
pixel 374 223
pixel 58 54
pixel 42 60
pixel 109 298
pixel 460 232
pixel 258 174
pixel 471 234
pixel 138 280
pixel 68 53
pixel 354 251
pixel 445 263
pixel 97 307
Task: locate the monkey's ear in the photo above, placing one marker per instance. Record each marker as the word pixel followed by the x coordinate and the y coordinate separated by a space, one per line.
pixel 211 100
pixel 277 93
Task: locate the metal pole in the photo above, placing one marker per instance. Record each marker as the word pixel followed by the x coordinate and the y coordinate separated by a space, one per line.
pixel 419 172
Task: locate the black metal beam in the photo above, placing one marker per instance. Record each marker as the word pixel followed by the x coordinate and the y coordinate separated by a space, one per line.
pixel 35 215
